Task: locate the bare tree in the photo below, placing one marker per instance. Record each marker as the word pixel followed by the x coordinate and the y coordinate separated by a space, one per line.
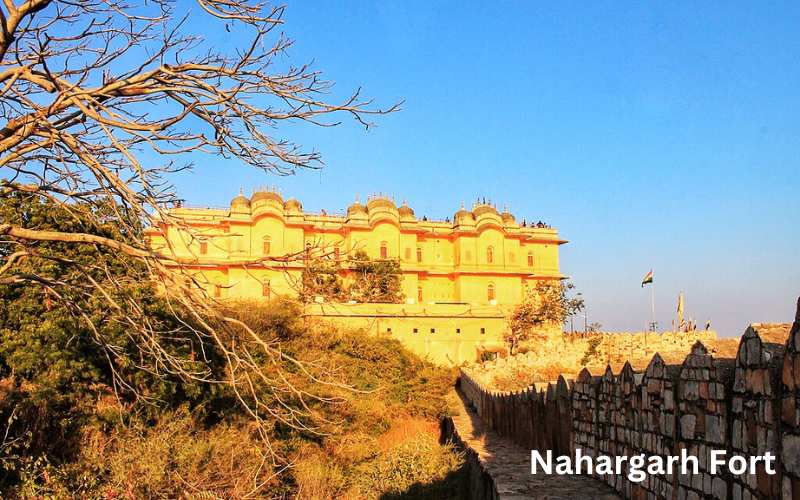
pixel 92 88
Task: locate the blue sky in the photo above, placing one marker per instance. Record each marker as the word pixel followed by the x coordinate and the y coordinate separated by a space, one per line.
pixel 653 135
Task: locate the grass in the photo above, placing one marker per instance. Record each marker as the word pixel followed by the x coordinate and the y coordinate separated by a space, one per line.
pixel 383 443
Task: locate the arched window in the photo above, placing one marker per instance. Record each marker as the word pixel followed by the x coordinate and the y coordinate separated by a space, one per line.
pixel 419 293
pixel 265 288
pixel 530 259
pixel 308 250
pixel 489 255
pixel 419 254
pixel 336 253
pixel 384 250
pixel 408 253
pixel 490 292
pixel 203 247
pixel 266 245
pixel 217 289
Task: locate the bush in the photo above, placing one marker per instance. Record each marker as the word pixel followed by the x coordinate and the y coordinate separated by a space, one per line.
pixel 514 378
pixel 200 447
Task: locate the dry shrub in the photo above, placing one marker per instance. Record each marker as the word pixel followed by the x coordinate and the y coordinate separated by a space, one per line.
pixel 514 378
pixel 420 460
pixel 177 457
pixel 318 478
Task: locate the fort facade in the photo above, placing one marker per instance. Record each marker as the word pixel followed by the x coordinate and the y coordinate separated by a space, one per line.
pixel 460 277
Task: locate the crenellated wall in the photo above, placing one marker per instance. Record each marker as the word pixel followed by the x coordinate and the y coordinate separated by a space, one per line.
pixel 745 406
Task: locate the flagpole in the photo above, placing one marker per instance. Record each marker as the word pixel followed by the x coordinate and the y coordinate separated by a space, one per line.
pixel 653 301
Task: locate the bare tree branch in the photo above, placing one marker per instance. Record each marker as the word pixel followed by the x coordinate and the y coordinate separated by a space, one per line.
pixel 87 91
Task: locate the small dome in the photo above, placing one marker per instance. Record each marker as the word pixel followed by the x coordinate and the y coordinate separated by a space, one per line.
pixel 484 209
pixel 507 217
pixel 356 208
pixel 293 204
pixel 463 214
pixel 240 201
pixel 267 195
pixel 405 211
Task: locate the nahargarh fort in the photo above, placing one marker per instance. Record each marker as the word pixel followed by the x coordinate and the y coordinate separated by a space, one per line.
pixel 460 277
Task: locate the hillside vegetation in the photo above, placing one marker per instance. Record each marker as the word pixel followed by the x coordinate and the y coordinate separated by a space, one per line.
pixel 71 437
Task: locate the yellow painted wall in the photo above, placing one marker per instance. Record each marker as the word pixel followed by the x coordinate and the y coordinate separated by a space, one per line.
pixel 454 269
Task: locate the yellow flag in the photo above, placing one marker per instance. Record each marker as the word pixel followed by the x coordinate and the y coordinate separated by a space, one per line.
pixel 680 305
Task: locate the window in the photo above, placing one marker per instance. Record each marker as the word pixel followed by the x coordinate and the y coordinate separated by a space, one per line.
pixel 467 256
pixel 308 250
pixel 419 293
pixel 203 247
pixel 336 253
pixel 489 255
pixel 416 330
pixel 530 259
pixel 490 292
pixel 483 331
pixel 266 289
pixel 388 331
pixel 217 289
pixel 458 330
pixel 419 254
pixel 265 245
pixel 433 330
pixel 408 254
pixel 187 282
pixel 384 250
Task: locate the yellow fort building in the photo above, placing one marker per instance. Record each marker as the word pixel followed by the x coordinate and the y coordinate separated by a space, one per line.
pixel 461 277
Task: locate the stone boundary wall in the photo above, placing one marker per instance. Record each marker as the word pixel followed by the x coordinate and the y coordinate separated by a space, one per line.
pixel 746 406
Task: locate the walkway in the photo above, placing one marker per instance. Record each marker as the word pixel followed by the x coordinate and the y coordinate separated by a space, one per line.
pixel 509 466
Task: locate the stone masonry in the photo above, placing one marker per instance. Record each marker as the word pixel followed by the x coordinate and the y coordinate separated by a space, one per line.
pixel 744 406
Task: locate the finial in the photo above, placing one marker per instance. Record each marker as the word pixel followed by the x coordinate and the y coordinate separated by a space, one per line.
pixel 280 193
pixel 505 207
pixel 392 200
pixel 381 194
pixel 259 186
pixel 240 190
pixel 462 205
pixel 404 202
pixel 254 191
pixel 490 202
pixel 373 195
pixel 356 198
pixel 273 188
pixel 367 198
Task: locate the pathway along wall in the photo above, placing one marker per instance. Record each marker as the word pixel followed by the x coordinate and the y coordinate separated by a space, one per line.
pixel 745 406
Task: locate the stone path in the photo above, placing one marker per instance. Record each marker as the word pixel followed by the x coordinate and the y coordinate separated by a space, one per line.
pixel 509 465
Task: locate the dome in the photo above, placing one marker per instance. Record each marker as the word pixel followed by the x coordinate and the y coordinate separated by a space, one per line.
pixel 380 203
pixel 484 209
pixel 293 204
pixel 356 208
pixel 267 195
pixel 463 214
pixel 405 211
pixel 507 217
pixel 240 201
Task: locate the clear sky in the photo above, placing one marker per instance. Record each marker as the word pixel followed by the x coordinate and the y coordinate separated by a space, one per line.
pixel 653 135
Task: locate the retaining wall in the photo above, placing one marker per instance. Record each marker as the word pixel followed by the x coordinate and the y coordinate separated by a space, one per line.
pixel 746 406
